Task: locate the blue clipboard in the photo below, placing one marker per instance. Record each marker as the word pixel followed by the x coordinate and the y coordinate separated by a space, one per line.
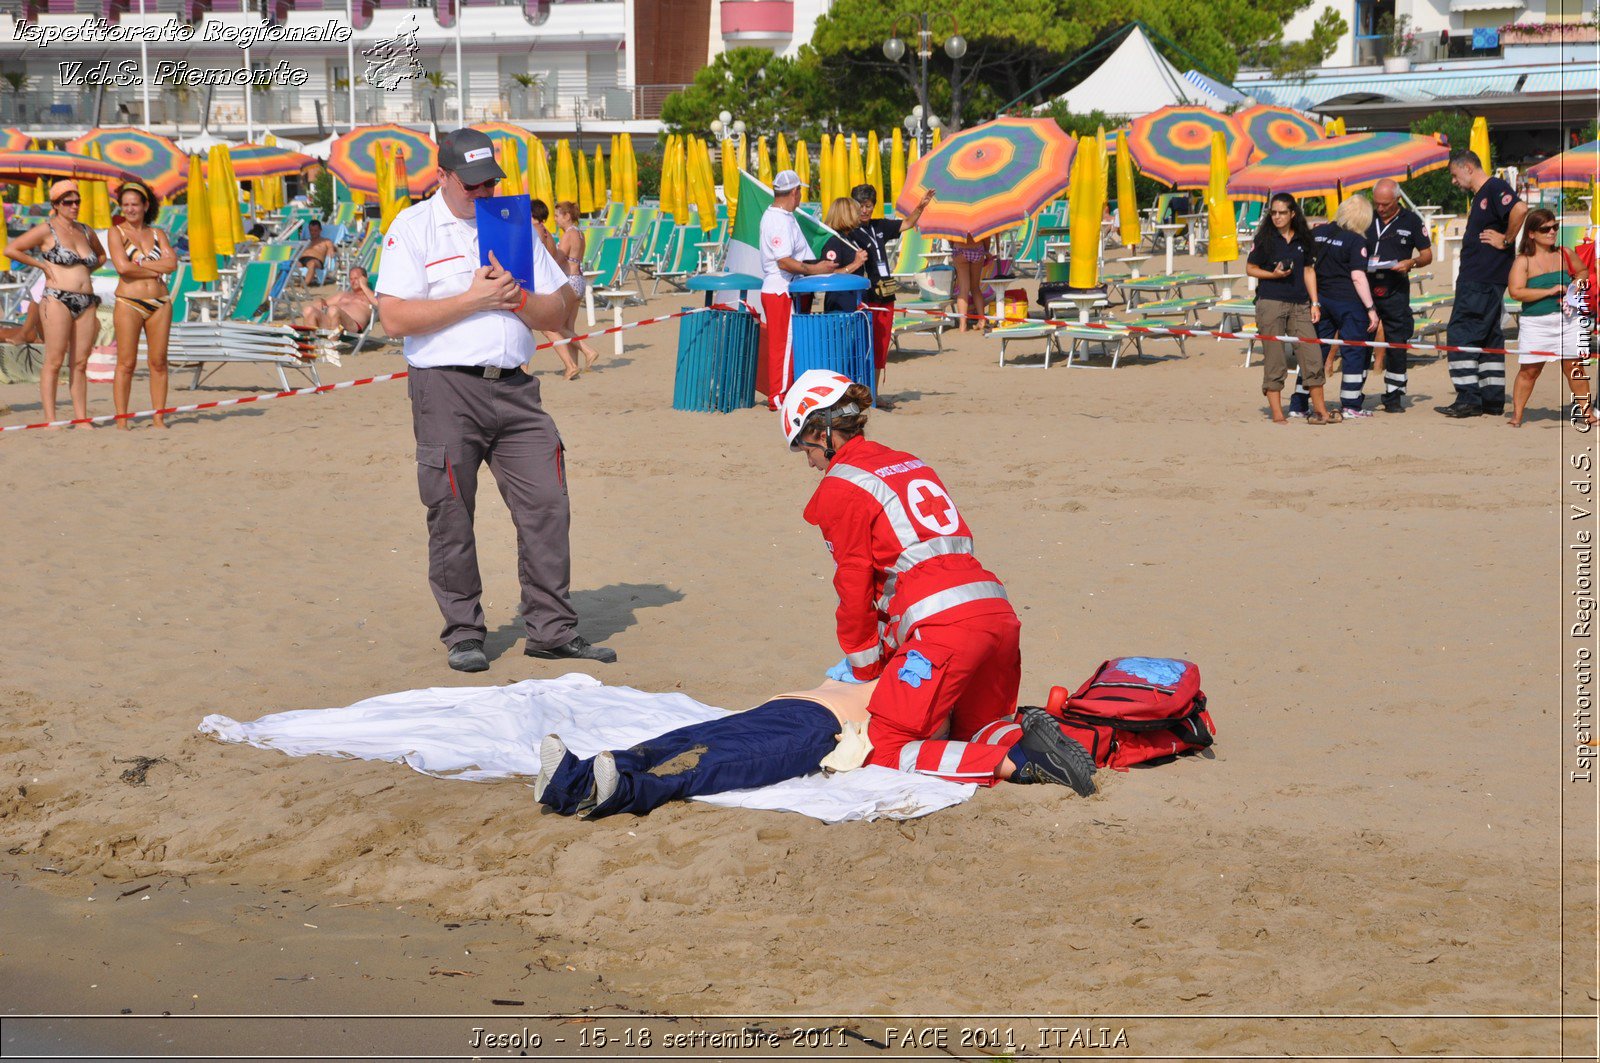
pixel 505 226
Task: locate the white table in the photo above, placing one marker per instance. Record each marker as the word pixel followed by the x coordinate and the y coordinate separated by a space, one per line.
pixel 935 258
pixel 588 294
pixel 616 299
pixel 1169 230
pixel 1085 302
pixel 207 301
pixel 1226 280
pixel 1062 249
pixel 1133 264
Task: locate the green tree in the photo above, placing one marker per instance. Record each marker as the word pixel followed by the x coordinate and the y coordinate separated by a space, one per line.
pixel 1436 188
pixel 770 94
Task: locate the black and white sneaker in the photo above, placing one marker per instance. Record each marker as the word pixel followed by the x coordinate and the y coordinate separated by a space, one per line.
pixel 552 751
pixel 605 779
pixel 1052 756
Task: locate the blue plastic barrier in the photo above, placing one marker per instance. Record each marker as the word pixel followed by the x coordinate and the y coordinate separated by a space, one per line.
pixel 838 342
pixel 717 351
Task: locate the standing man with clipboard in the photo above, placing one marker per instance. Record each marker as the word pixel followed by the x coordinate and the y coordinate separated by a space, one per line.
pixel 467 332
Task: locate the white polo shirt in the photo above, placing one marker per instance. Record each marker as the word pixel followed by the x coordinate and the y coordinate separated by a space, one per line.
pixel 780 238
pixel 429 253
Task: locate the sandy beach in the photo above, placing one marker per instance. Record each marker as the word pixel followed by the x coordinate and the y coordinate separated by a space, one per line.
pixel 1376 609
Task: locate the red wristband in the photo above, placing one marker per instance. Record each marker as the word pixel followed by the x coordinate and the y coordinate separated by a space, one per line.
pixel 522 304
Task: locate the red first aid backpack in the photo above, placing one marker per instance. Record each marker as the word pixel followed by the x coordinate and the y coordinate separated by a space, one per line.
pixel 1134 710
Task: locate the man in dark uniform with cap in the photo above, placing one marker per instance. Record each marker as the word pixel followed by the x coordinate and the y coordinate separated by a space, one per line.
pixel 1399 241
pixel 467 333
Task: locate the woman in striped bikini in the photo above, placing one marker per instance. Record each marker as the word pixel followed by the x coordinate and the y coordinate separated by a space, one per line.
pixel 69 300
pixel 144 257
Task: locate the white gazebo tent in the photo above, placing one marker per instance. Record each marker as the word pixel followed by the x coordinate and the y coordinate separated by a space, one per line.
pixel 1135 80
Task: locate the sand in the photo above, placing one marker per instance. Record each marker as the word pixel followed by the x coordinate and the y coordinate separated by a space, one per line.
pixel 1376 609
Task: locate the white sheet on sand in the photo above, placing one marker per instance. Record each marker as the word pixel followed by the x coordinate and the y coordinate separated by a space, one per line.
pixel 486 733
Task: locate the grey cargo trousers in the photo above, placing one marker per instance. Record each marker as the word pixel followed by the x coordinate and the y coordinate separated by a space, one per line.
pixel 461 420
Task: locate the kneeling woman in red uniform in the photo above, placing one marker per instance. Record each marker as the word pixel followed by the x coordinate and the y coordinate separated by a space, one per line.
pixel 917 609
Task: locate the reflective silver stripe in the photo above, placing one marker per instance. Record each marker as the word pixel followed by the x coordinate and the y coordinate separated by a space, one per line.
pixel 950 759
pixel 893 508
pixel 948 599
pixel 916 555
pixel 908 756
pixel 865 658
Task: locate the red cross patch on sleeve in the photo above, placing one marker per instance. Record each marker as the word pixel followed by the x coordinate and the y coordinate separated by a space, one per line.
pixel 1505 200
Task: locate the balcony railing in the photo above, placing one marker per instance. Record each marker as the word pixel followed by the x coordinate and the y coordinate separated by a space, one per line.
pixel 1435 47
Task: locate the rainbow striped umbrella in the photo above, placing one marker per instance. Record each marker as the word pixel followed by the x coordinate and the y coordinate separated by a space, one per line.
pixel 1271 129
pixel 1173 145
pixel 150 157
pixel 354 157
pixel 1573 168
pixel 253 161
pixel 505 132
pixel 27 165
pixel 1340 165
pixel 14 139
pixel 989 178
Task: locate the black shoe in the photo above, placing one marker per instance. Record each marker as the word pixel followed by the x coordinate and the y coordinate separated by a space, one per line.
pixel 1052 756
pixel 468 656
pixel 578 649
pixel 1394 405
pixel 1494 411
pixel 1458 409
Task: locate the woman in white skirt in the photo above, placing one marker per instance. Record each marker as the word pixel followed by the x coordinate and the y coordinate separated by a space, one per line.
pixel 1553 287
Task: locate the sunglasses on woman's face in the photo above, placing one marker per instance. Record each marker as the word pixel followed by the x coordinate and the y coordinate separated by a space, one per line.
pixel 1283 212
pixel 1548 229
pixel 69 202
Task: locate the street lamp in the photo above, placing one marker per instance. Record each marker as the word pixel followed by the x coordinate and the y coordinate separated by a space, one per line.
pixel 955 46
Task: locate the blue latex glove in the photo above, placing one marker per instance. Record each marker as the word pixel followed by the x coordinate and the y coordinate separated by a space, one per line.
pixel 915 669
pixel 843 673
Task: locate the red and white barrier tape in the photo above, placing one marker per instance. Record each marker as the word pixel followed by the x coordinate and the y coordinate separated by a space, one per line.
pixel 1154 330
pixel 321 388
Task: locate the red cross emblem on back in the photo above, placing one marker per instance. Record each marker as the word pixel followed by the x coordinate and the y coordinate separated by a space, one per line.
pixel 932 506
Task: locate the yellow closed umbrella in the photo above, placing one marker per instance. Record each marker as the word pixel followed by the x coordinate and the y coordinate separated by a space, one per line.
pixel 825 172
pixel 402 184
pixel 802 166
pixel 897 166
pixel 25 195
pixel 1127 198
pixel 221 203
pixel 202 246
pixel 543 187
pixel 1478 143
pixel 630 179
pixel 585 188
pixel 857 175
pixel 40 195
pixel 566 176
pixel 1594 205
pixel 730 180
pixel 598 186
pixel 783 162
pixel 763 163
pixel 841 170
pixel 383 174
pixel 938 136
pixel 1105 168
pixel 1223 245
pixel 873 172
pixel 707 201
pixel 674 196
pixel 669 202
pixel 1084 213
pixel 235 218
pixel 1330 204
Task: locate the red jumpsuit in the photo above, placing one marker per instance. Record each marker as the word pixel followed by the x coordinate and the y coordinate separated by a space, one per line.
pixel 908 584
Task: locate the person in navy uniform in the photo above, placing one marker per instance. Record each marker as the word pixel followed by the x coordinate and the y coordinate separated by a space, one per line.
pixel 1399 243
pixel 1487 250
pixel 1344 307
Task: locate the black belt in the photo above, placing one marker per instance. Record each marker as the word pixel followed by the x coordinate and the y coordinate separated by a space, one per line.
pixel 490 372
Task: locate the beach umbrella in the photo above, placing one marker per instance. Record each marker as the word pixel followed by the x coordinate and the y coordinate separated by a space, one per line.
pixel 1574 168
pixel 1086 208
pixel 353 156
pixel 873 172
pixel 841 171
pixel 385 180
pixel 1340 165
pixel 511 163
pixel 783 162
pixel 730 181
pixel 825 170
pixel 585 186
pixel 202 246
pixel 1104 168
pixel 19 166
pixel 664 193
pixel 707 193
pixel 1127 198
pixel 897 168
pixel 234 196
pixel 566 175
pixel 858 174
pixel 150 157
pixel 1271 129
pixel 40 193
pixel 938 135
pixel 1478 142
pixel 95 211
pixel 599 185
pixel 221 203
pixel 402 181
pixel 763 163
pixel 1173 144
pixel 802 166
pixel 543 187
pixel 990 177
pixel 14 139
pixel 505 134
pixel 630 180
pixel 1223 242
pixel 25 196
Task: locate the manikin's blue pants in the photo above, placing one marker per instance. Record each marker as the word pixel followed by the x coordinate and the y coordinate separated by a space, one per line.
pixel 782 739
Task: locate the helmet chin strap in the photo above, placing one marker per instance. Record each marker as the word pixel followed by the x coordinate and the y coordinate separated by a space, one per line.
pixel 829 451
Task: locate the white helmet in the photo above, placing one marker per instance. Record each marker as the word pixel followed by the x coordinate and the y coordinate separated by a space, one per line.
pixel 815 389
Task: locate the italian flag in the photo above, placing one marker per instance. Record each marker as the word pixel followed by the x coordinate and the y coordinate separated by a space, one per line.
pixel 744 243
